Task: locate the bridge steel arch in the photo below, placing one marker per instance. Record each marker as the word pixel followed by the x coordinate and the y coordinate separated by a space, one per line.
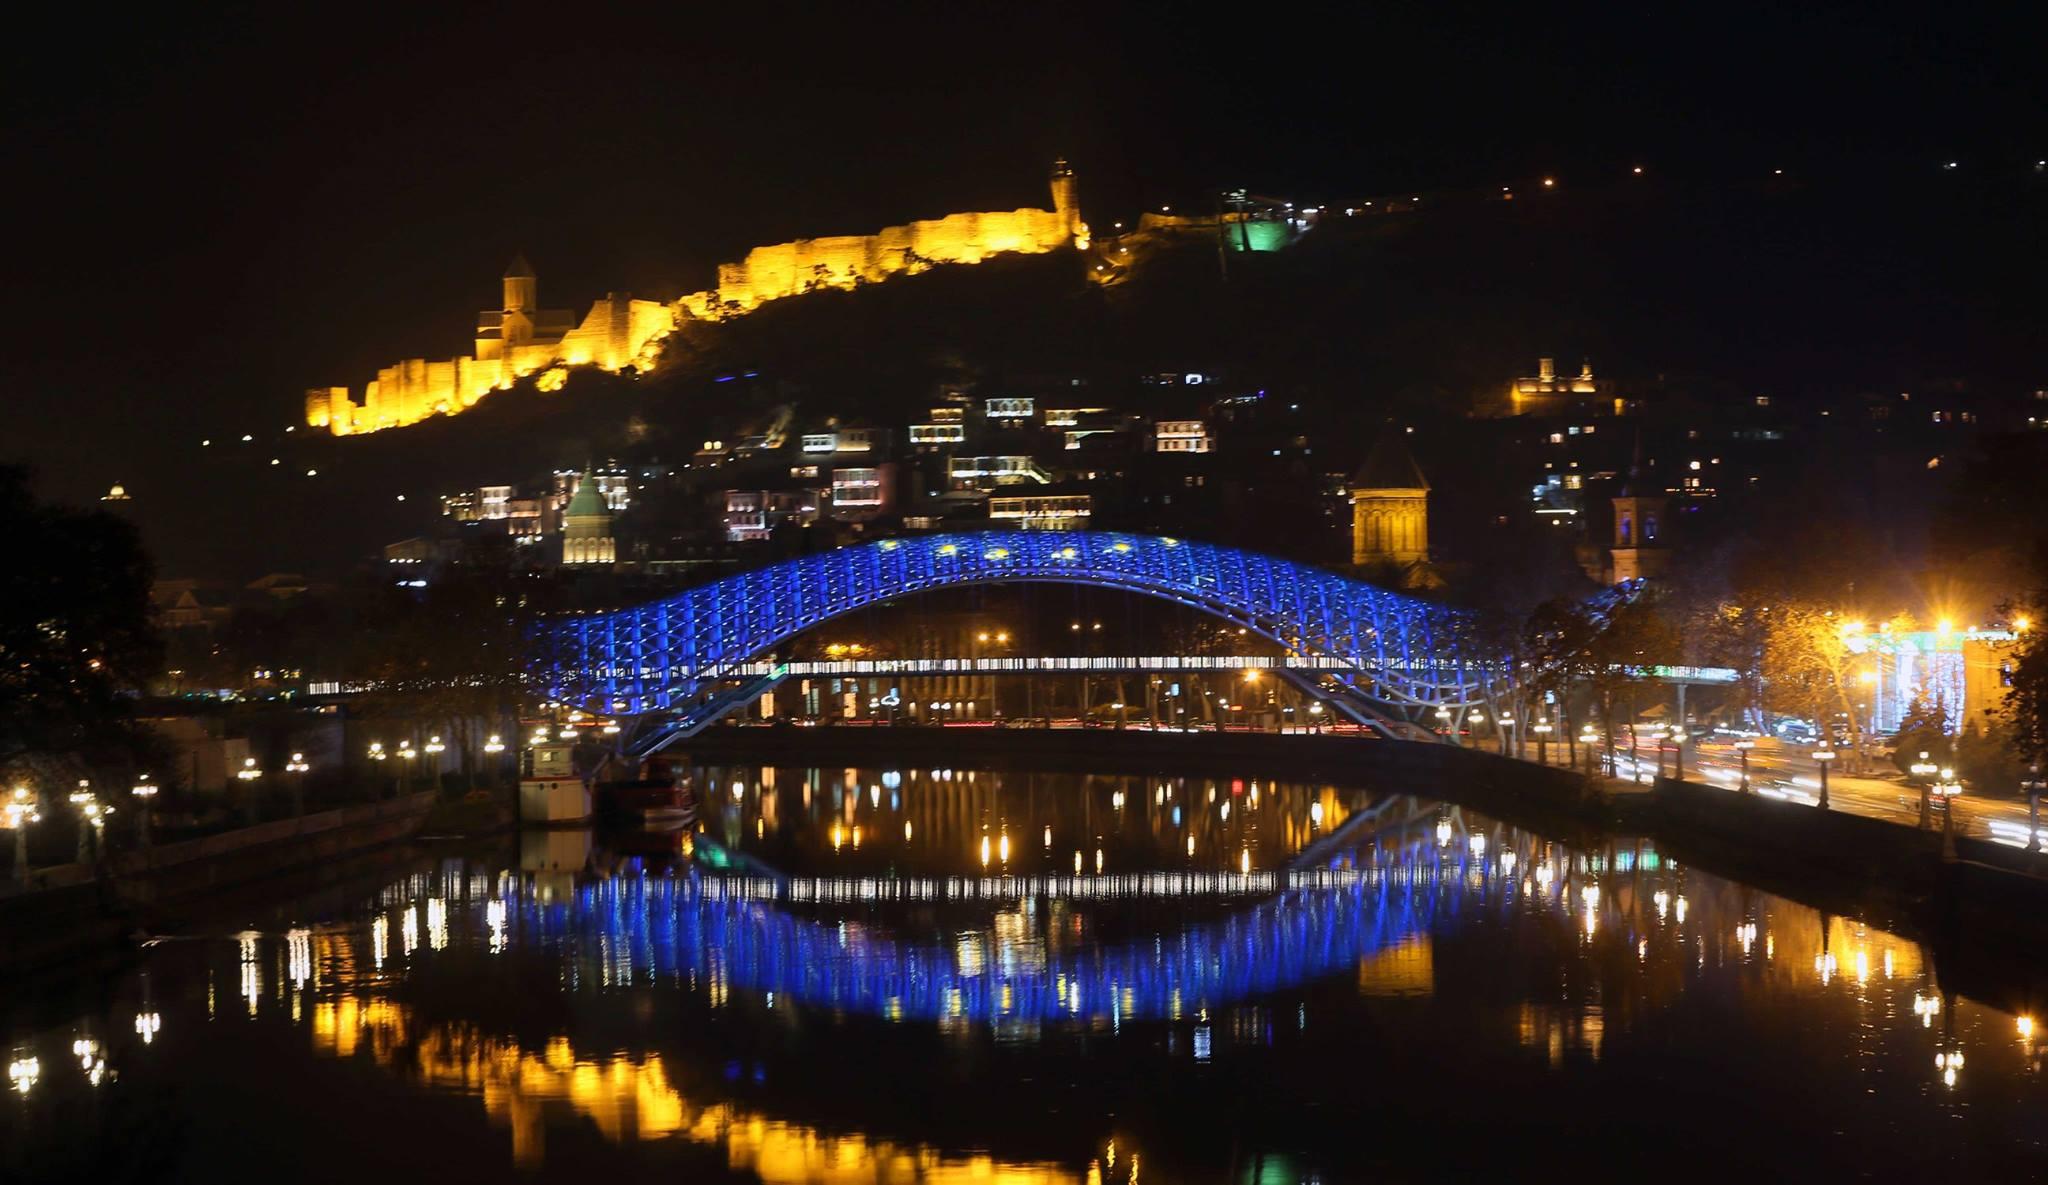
pixel 1398 653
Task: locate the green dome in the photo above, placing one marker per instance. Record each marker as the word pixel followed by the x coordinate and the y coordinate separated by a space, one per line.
pixel 587 500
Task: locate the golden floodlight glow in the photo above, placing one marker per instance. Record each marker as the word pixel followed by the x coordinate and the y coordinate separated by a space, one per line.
pixel 619 333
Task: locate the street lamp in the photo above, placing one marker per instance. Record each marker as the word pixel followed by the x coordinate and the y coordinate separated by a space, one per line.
pixel 1589 739
pixel 1678 738
pixel 1443 716
pixel 1316 710
pixel 1742 747
pixel 297 768
pixel 248 775
pixel 406 751
pixel 1949 787
pixel 494 745
pixel 2033 787
pixel 96 816
pixel 1823 756
pixel 1923 772
pixel 20 811
pixel 145 790
pixel 1542 730
pixel 80 799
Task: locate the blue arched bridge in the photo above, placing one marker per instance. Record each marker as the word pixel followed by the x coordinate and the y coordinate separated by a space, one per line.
pixel 1394 655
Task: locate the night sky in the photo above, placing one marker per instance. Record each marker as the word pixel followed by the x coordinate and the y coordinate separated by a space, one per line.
pixel 212 211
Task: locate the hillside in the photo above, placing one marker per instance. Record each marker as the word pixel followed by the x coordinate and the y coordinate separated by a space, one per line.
pixel 1788 291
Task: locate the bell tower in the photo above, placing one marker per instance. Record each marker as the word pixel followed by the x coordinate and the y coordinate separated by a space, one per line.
pixel 522 287
pixel 1390 506
pixel 1064 203
pixel 1638 552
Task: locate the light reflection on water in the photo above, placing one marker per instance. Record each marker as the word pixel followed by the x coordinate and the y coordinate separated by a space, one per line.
pixel 1305 912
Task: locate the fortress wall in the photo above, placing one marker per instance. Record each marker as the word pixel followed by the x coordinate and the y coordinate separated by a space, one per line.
pixel 789 269
pixel 618 332
pixel 647 322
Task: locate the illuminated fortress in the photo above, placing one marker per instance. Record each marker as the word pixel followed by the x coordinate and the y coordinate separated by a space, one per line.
pixel 618 332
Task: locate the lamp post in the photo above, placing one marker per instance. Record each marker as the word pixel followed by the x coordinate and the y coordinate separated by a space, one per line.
pixel 96 813
pixel 249 774
pixel 1443 716
pixel 1923 772
pixel 1949 787
pixel 410 754
pixel 1823 756
pixel 80 799
pixel 1742 748
pixel 1589 739
pixel 1315 711
pixel 492 748
pixel 435 748
pixel 145 790
pixel 378 754
pixel 1678 738
pixel 1475 718
pixel 1542 730
pixel 1635 765
pixel 297 768
pixel 19 813
pixel 2034 788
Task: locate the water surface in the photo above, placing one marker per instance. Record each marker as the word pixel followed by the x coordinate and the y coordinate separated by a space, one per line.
pixel 936 976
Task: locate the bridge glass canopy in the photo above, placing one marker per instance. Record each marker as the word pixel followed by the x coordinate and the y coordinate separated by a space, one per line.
pixel 1395 652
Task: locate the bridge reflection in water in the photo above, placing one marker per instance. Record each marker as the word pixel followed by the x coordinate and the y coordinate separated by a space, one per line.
pixel 726 934
pixel 1019 954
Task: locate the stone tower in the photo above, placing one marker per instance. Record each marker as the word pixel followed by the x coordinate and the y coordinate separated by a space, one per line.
pixel 1390 506
pixel 1638 551
pixel 522 303
pixel 1064 202
pixel 522 287
pixel 587 526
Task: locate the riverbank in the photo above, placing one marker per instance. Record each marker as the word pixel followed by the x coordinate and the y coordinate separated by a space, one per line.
pixel 75 910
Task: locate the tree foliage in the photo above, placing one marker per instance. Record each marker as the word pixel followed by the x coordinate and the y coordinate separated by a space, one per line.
pixel 2026 709
pixel 76 639
pixel 1924 729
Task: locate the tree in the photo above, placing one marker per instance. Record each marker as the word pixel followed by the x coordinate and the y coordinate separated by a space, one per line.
pixel 454 653
pixel 1923 730
pixel 1986 757
pixel 1558 641
pixel 76 639
pixel 1808 666
pixel 2026 708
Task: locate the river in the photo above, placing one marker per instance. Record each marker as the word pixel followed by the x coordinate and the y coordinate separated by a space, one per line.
pixel 855 975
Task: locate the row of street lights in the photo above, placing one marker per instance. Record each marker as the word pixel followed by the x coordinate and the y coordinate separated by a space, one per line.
pixel 22 809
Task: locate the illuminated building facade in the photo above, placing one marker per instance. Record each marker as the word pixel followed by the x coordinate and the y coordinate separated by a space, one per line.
pixel 1043 512
pixel 1967 671
pixel 1548 393
pixel 587 527
pixel 1389 507
pixel 1181 436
